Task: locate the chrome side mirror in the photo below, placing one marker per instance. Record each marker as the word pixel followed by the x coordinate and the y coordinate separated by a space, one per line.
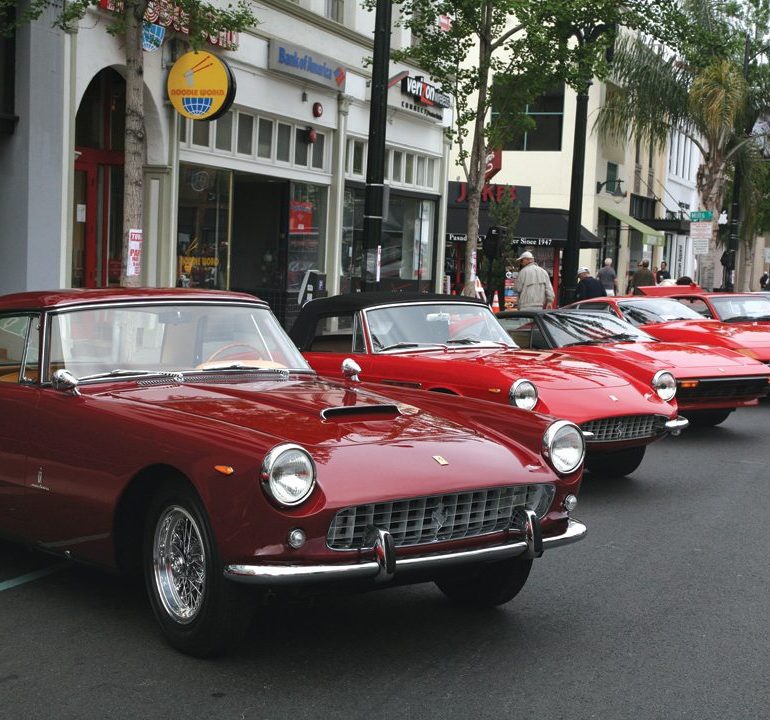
pixel 350 369
pixel 64 381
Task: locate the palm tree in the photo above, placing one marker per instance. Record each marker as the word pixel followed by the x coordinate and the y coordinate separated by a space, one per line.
pixel 711 90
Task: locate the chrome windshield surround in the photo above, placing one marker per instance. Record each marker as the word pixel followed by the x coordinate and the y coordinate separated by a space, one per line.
pixel 380 567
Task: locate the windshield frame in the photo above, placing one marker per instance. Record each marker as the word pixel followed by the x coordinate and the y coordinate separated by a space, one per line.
pixel 505 341
pixel 50 313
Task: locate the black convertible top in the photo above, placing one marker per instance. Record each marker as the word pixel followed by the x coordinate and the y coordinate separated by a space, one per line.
pixel 304 327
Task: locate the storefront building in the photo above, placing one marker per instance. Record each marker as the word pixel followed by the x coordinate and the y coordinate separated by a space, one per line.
pixel 268 197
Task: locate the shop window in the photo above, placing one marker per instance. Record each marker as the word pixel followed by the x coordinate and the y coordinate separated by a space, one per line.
pixel 409 169
pixel 420 177
pixel 203 226
pixel 300 146
pixel 245 134
pixel 224 132
pixel 397 166
pixel 318 151
pixel 265 139
pixel 200 133
pixel 283 150
pixel 307 233
pixel 430 173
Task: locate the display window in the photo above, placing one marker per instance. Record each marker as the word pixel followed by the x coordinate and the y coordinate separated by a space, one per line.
pixel 307 233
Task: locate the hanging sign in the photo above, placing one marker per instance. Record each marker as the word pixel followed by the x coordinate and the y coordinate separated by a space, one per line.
pixel 134 260
pixel 700 232
pixel 201 86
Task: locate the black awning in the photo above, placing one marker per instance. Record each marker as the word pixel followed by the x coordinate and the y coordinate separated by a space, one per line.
pixel 541 227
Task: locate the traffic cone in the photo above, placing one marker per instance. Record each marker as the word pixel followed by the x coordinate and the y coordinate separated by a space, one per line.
pixel 495 303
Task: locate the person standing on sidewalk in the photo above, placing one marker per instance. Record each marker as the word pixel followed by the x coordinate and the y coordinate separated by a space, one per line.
pixel 588 287
pixel 533 284
pixel 643 277
pixel 608 278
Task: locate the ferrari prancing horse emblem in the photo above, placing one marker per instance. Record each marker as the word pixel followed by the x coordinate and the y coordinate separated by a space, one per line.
pixel 440 460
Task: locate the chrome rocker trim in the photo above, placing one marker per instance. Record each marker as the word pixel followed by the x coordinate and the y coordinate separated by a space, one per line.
pixel 676 425
pixel 386 565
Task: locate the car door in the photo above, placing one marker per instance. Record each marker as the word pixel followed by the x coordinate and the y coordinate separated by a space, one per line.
pixel 19 390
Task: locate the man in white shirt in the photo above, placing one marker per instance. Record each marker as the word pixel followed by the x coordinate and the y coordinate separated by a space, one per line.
pixel 533 284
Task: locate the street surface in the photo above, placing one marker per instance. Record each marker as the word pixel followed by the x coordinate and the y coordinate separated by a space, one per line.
pixel 662 612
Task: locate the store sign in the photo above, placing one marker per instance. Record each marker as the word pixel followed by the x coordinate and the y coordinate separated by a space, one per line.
pixel 169 15
pixel 300 218
pixel 490 193
pixel 201 86
pixel 134 261
pixel 306 64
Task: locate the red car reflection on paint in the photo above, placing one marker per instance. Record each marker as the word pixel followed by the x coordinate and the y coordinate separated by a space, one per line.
pixel 182 433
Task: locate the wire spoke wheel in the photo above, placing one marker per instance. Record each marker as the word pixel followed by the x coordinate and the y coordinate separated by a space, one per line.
pixel 179 562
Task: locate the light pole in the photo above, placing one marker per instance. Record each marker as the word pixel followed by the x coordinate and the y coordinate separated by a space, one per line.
pixel 375 162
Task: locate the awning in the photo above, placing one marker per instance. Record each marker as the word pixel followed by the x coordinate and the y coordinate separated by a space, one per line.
pixel 650 236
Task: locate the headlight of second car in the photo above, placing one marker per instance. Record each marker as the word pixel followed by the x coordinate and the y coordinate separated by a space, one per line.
pixel 664 384
pixel 564 446
pixel 288 474
pixel 523 394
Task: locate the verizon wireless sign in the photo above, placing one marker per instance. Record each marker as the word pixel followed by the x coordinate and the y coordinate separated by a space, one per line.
pixel 424 92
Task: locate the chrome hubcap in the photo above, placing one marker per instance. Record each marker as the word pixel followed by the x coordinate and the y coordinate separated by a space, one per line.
pixel 180 564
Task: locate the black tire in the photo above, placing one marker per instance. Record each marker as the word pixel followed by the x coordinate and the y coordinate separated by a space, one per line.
pixel 708 418
pixel 615 464
pixel 199 611
pixel 487 585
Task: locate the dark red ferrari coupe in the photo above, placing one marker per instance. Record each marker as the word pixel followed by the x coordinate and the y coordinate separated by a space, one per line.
pixel 727 307
pixel 182 433
pixel 454 345
pixel 711 381
pixel 667 319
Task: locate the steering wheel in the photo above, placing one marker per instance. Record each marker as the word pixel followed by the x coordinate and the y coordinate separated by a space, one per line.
pixel 227 347
pixel 211 361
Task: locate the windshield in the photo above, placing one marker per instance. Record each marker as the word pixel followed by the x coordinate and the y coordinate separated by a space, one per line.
pixel 742 307
pixel 584 328
pixel 430 324
pixel 147 338
pixel 654 310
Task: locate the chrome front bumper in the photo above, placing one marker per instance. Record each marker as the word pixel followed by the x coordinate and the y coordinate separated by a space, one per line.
pixel 676 425
pixel 385 565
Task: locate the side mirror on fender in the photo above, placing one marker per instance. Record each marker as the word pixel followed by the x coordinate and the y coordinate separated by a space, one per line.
pixel 64 381
pixel 350 369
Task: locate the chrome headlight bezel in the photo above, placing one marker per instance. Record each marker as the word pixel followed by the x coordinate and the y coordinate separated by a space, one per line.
pixel 516 395
pixel 273 462
pixel 557 431
pixel 664 384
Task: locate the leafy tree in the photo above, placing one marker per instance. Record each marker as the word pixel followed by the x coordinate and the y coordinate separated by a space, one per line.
pixel 202 19
pixel 507 52
pixel 714 90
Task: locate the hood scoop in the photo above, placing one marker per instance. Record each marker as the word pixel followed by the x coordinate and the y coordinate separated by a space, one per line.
pixel 358 412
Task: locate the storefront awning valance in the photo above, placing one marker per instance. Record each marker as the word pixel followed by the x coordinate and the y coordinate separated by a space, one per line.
pixel 539 227
pixel 650 236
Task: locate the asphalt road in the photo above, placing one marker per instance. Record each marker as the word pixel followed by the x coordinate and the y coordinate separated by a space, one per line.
pixel 662 612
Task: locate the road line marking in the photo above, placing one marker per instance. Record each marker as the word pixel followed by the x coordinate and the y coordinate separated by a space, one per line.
pixel 30 577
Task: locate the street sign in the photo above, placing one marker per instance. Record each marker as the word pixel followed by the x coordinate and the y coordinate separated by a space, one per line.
pixel 700 232
pixel 701 216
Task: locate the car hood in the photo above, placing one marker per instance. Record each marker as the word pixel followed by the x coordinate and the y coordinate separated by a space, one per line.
pixel 751 335
pixel 548 370
pixel 682 359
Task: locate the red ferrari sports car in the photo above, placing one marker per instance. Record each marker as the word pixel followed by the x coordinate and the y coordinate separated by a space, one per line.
pixel 455 345
pixel 667 319
pixel 711 381
pixel 181 433
pixel 727 307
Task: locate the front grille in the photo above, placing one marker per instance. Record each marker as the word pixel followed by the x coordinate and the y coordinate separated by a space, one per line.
pixel 739 388
pixel 626 427
pixel 435 518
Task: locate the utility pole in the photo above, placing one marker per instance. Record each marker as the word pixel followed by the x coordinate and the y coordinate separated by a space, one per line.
pixel 375 163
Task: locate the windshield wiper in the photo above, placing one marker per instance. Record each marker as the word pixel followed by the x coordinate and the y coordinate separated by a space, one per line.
pixel 623 337
pixel 283 372
pixel 119 372
pixel 397 345
pixel 463 341
pixel 596 341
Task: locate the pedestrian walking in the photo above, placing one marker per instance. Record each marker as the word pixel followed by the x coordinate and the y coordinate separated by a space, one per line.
pixel 608 278
pixel 588 287
pixel 642 277
pixel 662 274
pixel 764 280
pixel 533 284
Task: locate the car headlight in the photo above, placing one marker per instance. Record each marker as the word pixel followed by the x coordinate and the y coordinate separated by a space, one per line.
pixel 288 474
pixel 523 394
pixel 664 384
pixel 564 446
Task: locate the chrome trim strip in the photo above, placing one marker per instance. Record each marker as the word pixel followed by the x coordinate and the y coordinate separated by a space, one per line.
pixel 302 574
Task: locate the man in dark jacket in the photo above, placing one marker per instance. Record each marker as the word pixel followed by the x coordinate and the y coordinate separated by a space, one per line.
pixel 588 287
pixel 642 277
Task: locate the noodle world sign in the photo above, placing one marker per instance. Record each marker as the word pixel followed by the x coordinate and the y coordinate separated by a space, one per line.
pixel 201 86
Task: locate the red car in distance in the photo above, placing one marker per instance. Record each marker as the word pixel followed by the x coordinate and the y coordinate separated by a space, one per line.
pixel 667 319
pixel 711 381
pixel 727 307
pixel 181 433
pixel 454 345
